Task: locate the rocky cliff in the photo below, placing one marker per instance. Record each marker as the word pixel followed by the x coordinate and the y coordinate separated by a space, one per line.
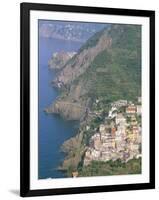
pixel 81 62
pixel 68 110
pixel 108 66
pixel 59 59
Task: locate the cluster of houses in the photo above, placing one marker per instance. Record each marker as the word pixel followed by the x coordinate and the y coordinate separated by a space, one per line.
pixel 119 137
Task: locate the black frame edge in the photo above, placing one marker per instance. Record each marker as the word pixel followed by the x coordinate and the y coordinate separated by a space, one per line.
pixel 25 99
pixel 93 189
pixel 24 102
pixel 152 99
pixel 86 9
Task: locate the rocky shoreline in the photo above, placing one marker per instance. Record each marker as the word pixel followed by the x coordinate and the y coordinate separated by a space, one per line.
pixel 74 151
pixel 59 59
pixel 67 110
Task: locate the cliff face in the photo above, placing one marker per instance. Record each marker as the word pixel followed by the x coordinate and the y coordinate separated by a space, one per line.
pixel 74 150
pixel 59 59
pixel 108 66
pixel 68 110
pixel 81 62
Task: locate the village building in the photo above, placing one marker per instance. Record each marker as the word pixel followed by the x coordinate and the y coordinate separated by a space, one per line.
pixel 117 138
pixel 112 112
pixel 133 120
pixel 105 136
pixel 102 128
pixel 135 130
pixel 126 156
pixel 121 145
pixel 138 156
pixel 105 156
pixel 87 158
pixel 97 100
pixel 131 137
pixel 95 154
pixel 120 118
pixel 121 132
pixel 96 141
pixel 131 109
pixel 75 174
pixel 138 107
pixel 119 103
pixel 113 131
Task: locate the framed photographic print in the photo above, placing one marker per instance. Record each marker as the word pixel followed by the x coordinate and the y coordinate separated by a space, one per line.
pixel 87 99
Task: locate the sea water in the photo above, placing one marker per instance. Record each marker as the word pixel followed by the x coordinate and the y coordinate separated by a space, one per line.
pixel 52 129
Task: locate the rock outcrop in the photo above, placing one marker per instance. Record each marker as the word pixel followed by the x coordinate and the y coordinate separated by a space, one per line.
pixel 81 62
pixel 74 150
pixel 59 59
pixel 68 110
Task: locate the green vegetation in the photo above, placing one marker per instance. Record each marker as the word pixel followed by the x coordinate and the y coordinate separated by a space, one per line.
pixel 128 119
pixel 92 41
pixel 98 168
pixel 115 73
pixel 138 119
pixel 87 134
pixel 115 82
pixel 126 36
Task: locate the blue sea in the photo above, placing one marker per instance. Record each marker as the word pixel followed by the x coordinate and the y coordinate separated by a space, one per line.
pixel 52 129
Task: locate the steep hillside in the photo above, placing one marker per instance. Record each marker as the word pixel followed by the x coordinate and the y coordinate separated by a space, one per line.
pixel 107 67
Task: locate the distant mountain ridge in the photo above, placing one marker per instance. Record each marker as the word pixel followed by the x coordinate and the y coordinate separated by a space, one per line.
pixel 71 31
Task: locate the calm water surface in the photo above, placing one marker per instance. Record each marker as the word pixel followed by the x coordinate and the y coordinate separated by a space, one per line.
pixel 53 130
